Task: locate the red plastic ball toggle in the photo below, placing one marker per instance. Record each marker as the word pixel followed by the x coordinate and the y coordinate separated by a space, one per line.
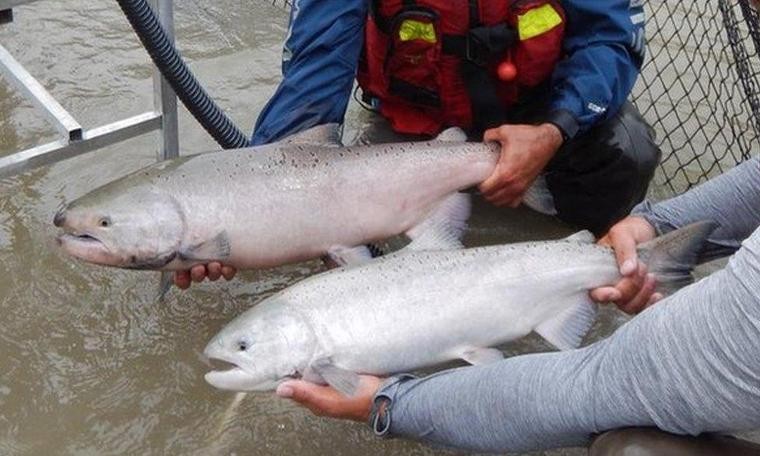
pixel 506 71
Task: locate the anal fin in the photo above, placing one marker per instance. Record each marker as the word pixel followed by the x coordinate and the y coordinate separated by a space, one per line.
pixel 444 228
pixel 476 356
pixel 340 255
pixel 566 329
pixel 539 198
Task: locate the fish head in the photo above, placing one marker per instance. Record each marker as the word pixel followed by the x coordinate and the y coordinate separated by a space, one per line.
pixel 136 228
pixel 260 350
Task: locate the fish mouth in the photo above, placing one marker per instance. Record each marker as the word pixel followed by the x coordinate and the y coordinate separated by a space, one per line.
pixel 87 247
pixel 80 237
pixel 229 376
pixel 233 379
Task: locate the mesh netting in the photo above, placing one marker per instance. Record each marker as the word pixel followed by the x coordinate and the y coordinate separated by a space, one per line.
pixel 285 4
pixel 699 86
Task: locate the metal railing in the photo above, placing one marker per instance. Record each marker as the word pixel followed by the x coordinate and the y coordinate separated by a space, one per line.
pixel 76 140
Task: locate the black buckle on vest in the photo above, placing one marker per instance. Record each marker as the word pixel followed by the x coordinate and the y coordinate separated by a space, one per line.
pixel 474 52
pixel 484 44
pixel 481 45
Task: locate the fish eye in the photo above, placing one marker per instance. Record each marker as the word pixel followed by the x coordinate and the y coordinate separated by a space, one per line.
pixel 105 222
pixel 243 345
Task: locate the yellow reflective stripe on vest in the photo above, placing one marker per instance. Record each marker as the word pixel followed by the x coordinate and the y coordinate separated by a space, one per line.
pixel 537 21
pixel 416 30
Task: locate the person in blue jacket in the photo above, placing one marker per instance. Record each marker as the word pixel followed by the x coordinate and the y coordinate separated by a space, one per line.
pixel 599 151
pixel 573 131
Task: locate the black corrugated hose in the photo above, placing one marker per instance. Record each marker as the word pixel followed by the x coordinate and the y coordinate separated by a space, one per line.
pixel 167 59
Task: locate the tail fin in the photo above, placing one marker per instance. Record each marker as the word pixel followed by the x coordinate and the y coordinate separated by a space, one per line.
pixel 672 257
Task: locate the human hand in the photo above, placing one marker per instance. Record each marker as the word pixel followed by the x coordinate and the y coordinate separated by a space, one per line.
pixel 197 273
pixel 329 402
pixel 635 291
pixel 525 151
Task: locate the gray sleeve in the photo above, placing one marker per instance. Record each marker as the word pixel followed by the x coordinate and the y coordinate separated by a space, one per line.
pixel 731 199
pixel 688 365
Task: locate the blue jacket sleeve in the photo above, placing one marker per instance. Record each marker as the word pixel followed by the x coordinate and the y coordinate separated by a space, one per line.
pixel 320 57
pixel 604 50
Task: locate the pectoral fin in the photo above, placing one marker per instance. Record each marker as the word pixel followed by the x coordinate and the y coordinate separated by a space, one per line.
pixel 343 380
pixel 477 356
pixel 566 329
pixel 164 285
pixel 215 249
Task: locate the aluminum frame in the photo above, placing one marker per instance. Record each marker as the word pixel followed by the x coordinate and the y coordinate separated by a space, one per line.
pixel 77 140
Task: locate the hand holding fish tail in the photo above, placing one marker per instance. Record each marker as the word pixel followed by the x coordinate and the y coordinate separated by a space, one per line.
pixel 213 271
pixel 525 151
pixel 329 402
pixel 635 291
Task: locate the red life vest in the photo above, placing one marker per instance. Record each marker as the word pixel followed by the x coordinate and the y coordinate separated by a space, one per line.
pixel 415 52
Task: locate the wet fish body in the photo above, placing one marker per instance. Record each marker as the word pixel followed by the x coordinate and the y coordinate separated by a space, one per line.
pixel 269 205
pixel 427 305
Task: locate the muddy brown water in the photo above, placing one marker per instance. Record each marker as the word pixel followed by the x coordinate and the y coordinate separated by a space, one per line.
pixel 89 362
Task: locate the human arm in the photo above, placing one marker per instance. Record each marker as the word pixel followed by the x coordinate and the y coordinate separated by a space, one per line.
pixel 320 57
pixel 602 50
pixel 732 200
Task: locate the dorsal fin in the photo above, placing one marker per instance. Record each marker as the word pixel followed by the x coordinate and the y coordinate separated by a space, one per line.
pixel 453 134
pixel 581 237
pixel 321 135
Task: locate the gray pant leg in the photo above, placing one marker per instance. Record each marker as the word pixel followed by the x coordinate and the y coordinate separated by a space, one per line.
pixel 732 199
